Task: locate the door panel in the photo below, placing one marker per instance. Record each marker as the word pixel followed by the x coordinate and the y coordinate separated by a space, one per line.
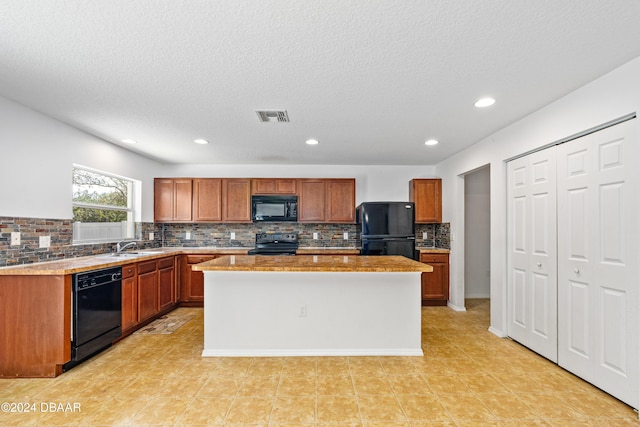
pixel 532 258
pixel 597 284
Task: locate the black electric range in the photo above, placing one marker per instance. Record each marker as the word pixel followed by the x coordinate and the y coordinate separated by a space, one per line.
pixel 275 244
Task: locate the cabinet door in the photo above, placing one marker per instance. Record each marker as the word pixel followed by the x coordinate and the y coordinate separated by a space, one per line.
pixel 183 194
pixel 341 200
pixel 311 200
pixel 172 199
pixel 129 296
pixel 273 186
pixel 147 289
pixel 166 282
pixel 236 200
pixel 163 199
pixel 193 281
pixel 207 199
pixel 427 196
pixel 435 285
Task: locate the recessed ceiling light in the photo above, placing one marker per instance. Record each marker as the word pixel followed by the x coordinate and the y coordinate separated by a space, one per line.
pixel 201 141
pixel 484 102
pixel 431 142
pixel 312 142
pixel 129 141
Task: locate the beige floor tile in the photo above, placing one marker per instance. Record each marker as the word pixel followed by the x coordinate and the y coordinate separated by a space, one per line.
pixel 337 409
pixel 296 386
pixel 202 411
pixel 468 377
pixel 465 407
pixel 334 385
pixel 372 385
pixel 293 410
pixel 259 386
pixel 418 407
pixel 162 410
pixel 380 408
pixel 220 387
pixel 249 410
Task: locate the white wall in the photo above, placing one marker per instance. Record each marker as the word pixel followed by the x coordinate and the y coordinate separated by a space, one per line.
pixel 373 183
pixel 38 153
pixel 37 157
pixel 477 226
pixel 609 97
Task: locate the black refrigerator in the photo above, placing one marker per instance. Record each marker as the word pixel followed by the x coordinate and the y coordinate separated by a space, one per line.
pixel 387 228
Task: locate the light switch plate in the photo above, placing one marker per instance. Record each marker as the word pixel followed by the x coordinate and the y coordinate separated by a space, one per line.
pixel 315 236
pixel 187 235
pixel 345 236
pixel 233 235
pixel 45 242
pixel 424 235
pixel 15 238
pixel 152 235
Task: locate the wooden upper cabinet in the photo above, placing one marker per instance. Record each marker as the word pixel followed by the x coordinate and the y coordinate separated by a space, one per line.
pixel 427 196
pixel 327 200
pixel 207 199
pixel 312 197
pixel 273 186
pixel 236 200
pixel 341 200
pixel 173 199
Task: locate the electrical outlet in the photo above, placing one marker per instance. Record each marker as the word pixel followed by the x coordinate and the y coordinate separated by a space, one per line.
pixel 302 310
pixel 315 236
pixel 187 235
pixel 152 235
pixel 345 236
pixel 45 242
pixel 424 235
pixel 15 238
pixel 233 235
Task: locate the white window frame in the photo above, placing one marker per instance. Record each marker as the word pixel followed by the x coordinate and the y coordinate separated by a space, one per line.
pixel 89 233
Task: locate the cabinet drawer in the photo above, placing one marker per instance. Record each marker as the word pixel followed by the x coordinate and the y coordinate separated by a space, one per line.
pixel 128 270
pixel 147 266
pixel 165 263
pixel 197 259
pixel 434 258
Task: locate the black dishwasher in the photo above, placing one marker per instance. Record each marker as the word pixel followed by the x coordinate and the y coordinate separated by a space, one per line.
pixel 97 312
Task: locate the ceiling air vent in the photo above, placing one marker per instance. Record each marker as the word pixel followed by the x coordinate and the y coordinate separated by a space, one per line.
pixel 273 116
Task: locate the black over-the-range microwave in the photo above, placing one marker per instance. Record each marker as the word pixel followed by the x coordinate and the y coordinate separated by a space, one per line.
pixel 274 208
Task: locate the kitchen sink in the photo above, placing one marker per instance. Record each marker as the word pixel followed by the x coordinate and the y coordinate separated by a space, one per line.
pixel 132 254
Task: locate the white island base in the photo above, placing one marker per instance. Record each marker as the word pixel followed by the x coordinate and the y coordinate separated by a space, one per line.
pixel 291 313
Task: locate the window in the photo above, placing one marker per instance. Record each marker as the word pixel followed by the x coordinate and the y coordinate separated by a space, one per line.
pixel 103 206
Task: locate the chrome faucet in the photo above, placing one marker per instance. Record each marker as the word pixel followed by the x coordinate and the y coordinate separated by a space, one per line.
pixel 121 248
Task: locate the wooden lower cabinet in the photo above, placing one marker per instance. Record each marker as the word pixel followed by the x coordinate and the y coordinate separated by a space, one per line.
pixel 166 283
pixel 129 296
pixel 435 285
pixel 192 289
pixel 147 289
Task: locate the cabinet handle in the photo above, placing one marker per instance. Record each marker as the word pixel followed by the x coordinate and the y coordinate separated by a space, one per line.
pixel 129 270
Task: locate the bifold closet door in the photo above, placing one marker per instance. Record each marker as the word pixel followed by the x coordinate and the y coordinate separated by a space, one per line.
pixel 532 258
pixel 598 252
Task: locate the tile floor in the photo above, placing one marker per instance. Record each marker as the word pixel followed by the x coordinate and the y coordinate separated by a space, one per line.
pixel 468 377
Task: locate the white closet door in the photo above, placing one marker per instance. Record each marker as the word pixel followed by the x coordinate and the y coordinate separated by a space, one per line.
pixel 598 257
pixel 532 258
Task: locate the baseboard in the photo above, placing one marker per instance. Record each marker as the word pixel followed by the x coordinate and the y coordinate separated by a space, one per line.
pixel 477 296
pixel 497 332
pixel 455 307
pixel 314 352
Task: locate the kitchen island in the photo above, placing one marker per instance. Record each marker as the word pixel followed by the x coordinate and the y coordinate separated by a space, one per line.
pixel 312 305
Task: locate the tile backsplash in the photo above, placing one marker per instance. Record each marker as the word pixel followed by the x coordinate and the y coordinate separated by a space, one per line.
pixel 175 235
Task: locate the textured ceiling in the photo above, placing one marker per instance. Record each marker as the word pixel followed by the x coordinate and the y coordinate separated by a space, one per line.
pixel 371 80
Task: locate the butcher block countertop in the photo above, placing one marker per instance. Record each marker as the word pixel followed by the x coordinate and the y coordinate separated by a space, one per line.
pixel 314 263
